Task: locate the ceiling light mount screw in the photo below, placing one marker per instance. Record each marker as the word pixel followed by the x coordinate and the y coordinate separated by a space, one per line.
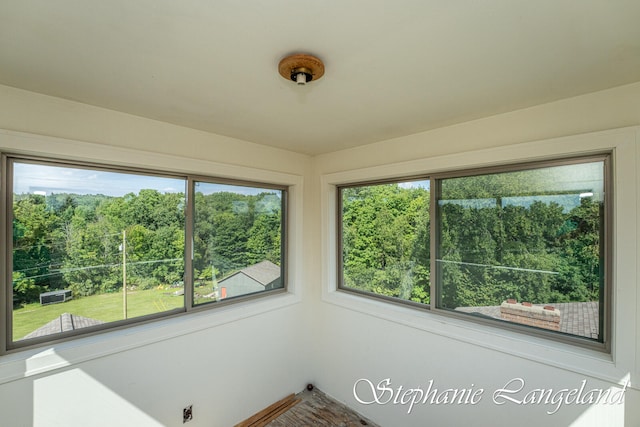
pixel 301 68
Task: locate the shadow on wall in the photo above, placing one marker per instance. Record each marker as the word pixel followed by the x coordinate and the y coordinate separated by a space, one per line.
pixel 219 370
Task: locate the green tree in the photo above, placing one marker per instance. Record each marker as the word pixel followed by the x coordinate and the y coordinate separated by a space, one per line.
pixel 385 240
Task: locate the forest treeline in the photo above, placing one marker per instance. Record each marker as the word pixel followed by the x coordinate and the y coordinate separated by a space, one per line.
pixel 536 248
pixel 542 248
pixel 70 241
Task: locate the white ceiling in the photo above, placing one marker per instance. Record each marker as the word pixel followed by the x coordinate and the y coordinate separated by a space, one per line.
pixel 392 67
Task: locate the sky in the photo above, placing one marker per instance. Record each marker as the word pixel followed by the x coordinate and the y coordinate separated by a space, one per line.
pixel 45 180
pixel 415 184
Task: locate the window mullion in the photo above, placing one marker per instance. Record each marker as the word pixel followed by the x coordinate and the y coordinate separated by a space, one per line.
pixel 433 244
pixel 188 246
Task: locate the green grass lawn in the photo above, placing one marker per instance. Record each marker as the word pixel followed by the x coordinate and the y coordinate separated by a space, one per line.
pixel 105 307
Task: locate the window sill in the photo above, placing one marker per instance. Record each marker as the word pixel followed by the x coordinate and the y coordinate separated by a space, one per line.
pixel 27 363
pixel 589 362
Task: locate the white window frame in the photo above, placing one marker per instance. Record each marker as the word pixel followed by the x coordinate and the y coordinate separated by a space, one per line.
pixel 611 366
pixel 55 353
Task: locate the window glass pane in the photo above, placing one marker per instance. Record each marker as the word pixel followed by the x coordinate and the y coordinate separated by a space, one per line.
pixel 92 247
pixel 385 239
pixel 525 247
pixel 238 237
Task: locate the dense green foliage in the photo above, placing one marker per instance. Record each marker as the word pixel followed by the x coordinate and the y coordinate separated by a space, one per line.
pixel 498 239
pixel 233 231
pixel 385 234
pixel 70 241
pixel 517 243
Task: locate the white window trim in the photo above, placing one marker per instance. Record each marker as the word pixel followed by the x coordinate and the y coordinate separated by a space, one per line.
pixel 51 356
pixel 614 367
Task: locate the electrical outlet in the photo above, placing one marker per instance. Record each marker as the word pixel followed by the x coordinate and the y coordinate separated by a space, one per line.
pixel 187 414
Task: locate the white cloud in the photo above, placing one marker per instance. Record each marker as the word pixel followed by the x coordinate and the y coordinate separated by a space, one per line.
pixel 29 178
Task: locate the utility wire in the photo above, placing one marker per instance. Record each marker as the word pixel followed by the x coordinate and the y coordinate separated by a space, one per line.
pixel 68 270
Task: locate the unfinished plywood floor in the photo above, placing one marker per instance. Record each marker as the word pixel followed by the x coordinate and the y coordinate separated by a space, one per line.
pixel 317 409
pixel 307 408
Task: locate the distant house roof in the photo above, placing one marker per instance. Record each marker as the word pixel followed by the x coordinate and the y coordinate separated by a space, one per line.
pixel 576 318
pixel 66 322
pixel 263 272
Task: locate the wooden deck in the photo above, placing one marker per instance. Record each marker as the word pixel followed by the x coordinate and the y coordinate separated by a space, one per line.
pixel 307 408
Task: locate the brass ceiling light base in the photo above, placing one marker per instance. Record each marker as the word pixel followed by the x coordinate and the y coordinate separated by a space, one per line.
pixel 301 68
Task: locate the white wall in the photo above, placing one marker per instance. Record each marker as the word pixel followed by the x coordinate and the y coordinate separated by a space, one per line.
pixel 366 339
pixel 235 361
pixel 229 363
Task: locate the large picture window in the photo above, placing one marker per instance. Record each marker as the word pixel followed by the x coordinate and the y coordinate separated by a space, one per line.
pixel 91 247
pixel 523 246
